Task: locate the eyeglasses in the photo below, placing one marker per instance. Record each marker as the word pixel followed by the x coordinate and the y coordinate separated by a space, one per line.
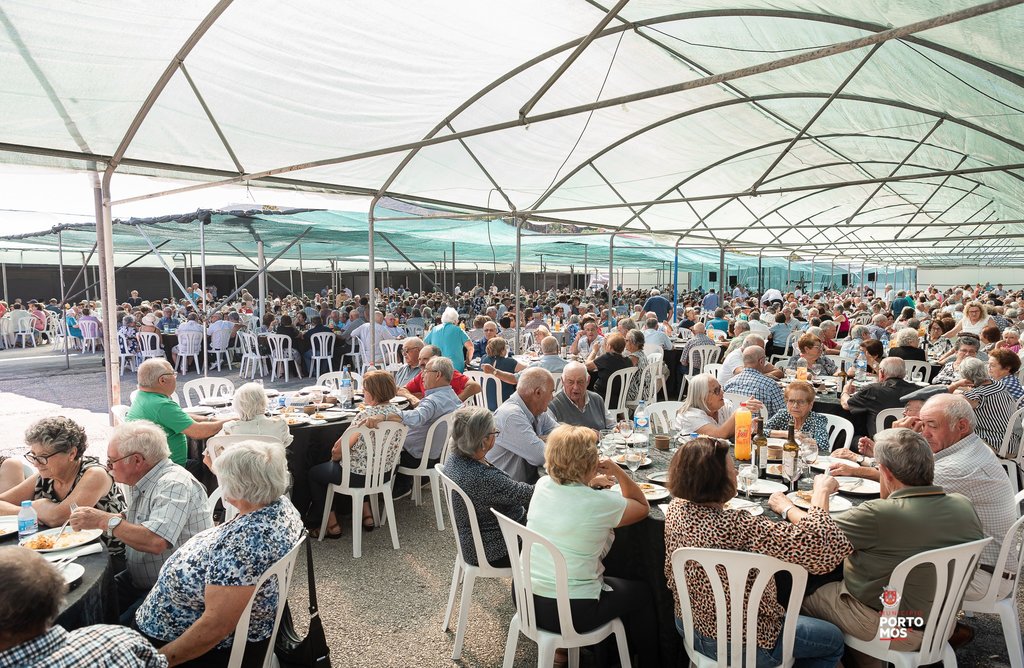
pixel 41 459
pixel 716 390
pixel 493 433
pixel 111 462
pixel 797 402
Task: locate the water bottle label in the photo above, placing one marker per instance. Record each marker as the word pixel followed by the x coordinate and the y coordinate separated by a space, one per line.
pixel 27 526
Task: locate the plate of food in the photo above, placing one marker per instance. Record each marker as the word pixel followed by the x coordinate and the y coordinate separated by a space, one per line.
pixel 8 525
pixel 651 492
pixel 296 418
pixel 822 463
pixel 331 415
pixel 215 402
pixel 661 477
pixel 766 487
pixel 802 499
pixel 44 541
pixel 399 400
pixel 751 507
pixel 621 460
pixel 858 486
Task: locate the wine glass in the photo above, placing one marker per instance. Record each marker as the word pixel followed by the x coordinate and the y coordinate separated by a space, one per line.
pixel 626 429
pixel 808 449
pixel 634 458
pixel 607 442
pixel 747 476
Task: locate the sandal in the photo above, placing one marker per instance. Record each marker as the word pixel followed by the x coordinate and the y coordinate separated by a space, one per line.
pixel 315 534
pixel 368 517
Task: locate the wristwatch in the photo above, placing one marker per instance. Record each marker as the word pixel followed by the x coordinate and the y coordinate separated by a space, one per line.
pixel 112 524
pixel 860 459
pixel 785 513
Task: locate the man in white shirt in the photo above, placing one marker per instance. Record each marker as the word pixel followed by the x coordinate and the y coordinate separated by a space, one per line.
pixel 363 333
pixel 654 336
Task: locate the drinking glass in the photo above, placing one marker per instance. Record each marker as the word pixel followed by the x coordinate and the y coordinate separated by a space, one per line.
pixel 626 429
pixel 607 442
pixel 748 478
pixel 808 452
pixel 634 458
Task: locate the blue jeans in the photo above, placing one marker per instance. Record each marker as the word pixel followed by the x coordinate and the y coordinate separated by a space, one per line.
pixel 818 644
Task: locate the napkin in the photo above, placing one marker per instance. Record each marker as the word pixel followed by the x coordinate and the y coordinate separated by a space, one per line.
pixel 92 548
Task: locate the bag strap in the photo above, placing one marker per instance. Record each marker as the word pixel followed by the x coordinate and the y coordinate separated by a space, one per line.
pixel 313 607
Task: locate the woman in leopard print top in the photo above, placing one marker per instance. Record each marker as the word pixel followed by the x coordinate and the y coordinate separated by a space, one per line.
pixel 702 477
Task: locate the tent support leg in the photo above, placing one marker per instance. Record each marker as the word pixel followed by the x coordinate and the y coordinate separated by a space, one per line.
pixel 105 243
pixel 302 281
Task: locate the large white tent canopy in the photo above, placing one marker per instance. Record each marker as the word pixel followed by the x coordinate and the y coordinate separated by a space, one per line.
pixel 905 146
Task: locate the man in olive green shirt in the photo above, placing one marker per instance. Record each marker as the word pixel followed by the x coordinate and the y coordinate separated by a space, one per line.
pixel 157 381
pixel 912 516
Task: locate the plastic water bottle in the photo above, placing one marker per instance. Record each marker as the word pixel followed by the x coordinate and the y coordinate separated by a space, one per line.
pixel 885 345
pixel 346 389
pixel 28 521
pixel 641 422
pixel 862 367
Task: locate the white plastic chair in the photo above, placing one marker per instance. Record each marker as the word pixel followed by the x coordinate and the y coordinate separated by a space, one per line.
pixel 230 512
pixel 149 345
pixel 252 359
pixel 840 362
pixel 205 388
pixel 383 447
pixel 333 379
pixel 657 359
pixel 478 400
pixel 389 350
pixel 735 638
pixel 490 385
pixel 839 428
pixel 281 352
pixel 917 372
pixel 525 619
pixel 954 567
pixel 886 416
pixel 26 332
pixel 190 344
pixel 437 441
pixel 714 369
pixel 464 573
pixel 220 346
pixel 282 572
pixel 1010 451
pixel 90 335
pixel 620 379
pixel 663 416
pixel 647 389
pixel 1005 606
pixel 119 412
pixel 127 359
pixel 356 354
pixel 737 398
pixel 322 347
pixel 217 444
pixel 706 355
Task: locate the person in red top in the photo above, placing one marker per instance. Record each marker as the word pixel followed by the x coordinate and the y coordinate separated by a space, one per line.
pixel 461 385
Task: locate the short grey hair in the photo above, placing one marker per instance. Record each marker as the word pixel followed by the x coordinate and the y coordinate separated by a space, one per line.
pixel 533 379
pixel 906 337
pixel 740 326
pixel 652 323
pixel 412 342
pixel 906 455
pixel 700 388
pixel 253 471
pixel 858 332
pixel 127 320
pixel 141 437
pixel 753 356
pixel 450 316
pixel 955 407
pixel 636 337
pixel 828 324
pixel 441 365
pixel 470 428
pixel 968 341
pixel 250 400
pixel 974 370
pixel 574 367
pixel 151 370
pixel 893 367
pixel 549 345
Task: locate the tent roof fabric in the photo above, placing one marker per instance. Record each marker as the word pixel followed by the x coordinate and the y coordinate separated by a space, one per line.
pixel 907 150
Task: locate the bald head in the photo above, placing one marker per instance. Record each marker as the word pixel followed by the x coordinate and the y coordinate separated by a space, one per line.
pixel 753 357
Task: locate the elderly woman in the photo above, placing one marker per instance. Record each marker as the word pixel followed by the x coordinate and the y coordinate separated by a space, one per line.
pixel 702 478
pixel 602 366
pixel 966 346
pixel 1011 340
pixel 378 390
pixel 192 610
pixel 127 330
pixel 452 341
pixel 976 318
pixel 473 435
pixel 250 403
pixel 990 337
pixel 799 401
pixel 579 521
pixel 636 356
pixel 497 356
pixel 706 411
pixel 1003 366
pixel 874 353
pixel 992 402
pixel 937 344
pixel 812 351
pixel 906 344
pixel 65 477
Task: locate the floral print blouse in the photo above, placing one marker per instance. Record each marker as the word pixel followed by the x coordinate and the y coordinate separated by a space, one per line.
pixel 816 543
pixel 234 554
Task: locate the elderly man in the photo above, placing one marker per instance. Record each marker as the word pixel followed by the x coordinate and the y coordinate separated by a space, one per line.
pixel 654 336
pixel 828 337
pixel 490 331
pixel 157 382
pixel 379 332
pixel 699 338
pixel 660 305
pixel 877 397
pixel 410 369
pixel 168 321
pixel 741 330
pixel 523 424
pixel 913 515
pixel 992 402
pixel 414 390
pixel 588 338
pixel 31 595
pixel 575 404
pixel 851 347
pixel 752 382
pixel 438 400
pixel 536 321
pixel 549 358
pixel 966 347
pixel 168 507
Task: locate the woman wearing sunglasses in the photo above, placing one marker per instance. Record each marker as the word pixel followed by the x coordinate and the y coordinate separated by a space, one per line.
pixel 65 476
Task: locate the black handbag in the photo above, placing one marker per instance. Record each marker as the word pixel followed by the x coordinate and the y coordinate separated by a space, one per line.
pixel 310 652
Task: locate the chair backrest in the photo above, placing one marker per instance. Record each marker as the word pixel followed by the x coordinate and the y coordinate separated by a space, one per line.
pixel 1011 445
pixel 683 334
pixel 119 412
pixel 646 382
pixel 791 343
pixel 885 418
pixel 333 380
pixel 732 621
pixel 953 567
pixel 220 339
pixel 25 325
pixel 840 431
pixel 383 446
pixel 322 344
pixel 1018 499
pixel 491 390
pixel 450 490
pixel 557 376
pixel 706 355
pixel 282 573
pixel 149 342
pixel 389 350
pixel 616 388
pixel 204 388
pixel 280 347
pixel 122 343
pixel 190 343
pixel 250 346
pixel 663 416
pixel 478 400
pixel 1011 550
pixel 216 445
pixel 515 535
pixel 230 512
pixel 840 362
pixel 89 329
pixel 437 440
pixel 917 372
pixel 714 369
pixel 656 358
pixel 716 334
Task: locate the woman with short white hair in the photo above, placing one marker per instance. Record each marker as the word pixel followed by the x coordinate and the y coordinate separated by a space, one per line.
pixel 706 411
pixel 250 402
pixel 193 608
pixel 906 344
pixel 451 340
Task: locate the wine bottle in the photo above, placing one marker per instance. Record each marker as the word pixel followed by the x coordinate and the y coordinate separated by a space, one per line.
pixel 790 457
pixel 761 447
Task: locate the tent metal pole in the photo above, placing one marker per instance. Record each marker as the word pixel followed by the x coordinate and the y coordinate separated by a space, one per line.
pixel 261 272
pixel 518 278
pixel 96 282
pixel 409 260
pixel 202 290
pixel 611 271
pixel 291 281
pixel 255 264
pixel 760 273
pixel 234 276
pixel 444 271
pixel 63 294
pixel 722 282
pixel 105 244
pixel 586 269
pixel 675 281
pixel 370 296
pixel 789 268
pixel 302 281
pixel 863 282
pixel 812 275
pixel 6 296
pixel 453 267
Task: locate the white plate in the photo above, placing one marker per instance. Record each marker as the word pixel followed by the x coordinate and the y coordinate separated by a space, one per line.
pixel 836 504
pixel 660 477
pixel 314 388
pixel 72 572
pixel 336 415
pixel 215 402
pixel 293 420
pixel 399 400
pixel 621 460
pixel 70 539
pixel 742 504
pixel 766 487
pixel 199 410
pixel 8 525
pixel 651 492
pixel 858 486
pixel 822 463
pixel 316 422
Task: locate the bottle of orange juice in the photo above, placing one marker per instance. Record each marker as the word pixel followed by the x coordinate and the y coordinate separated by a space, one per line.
pixel 743 421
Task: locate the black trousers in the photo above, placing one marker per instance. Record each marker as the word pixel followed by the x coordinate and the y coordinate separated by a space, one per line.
pixel 255 652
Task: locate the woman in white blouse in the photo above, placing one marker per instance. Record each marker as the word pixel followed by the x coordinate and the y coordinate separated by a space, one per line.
pixel 976 318
pixel 706 411
pixel 250 402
